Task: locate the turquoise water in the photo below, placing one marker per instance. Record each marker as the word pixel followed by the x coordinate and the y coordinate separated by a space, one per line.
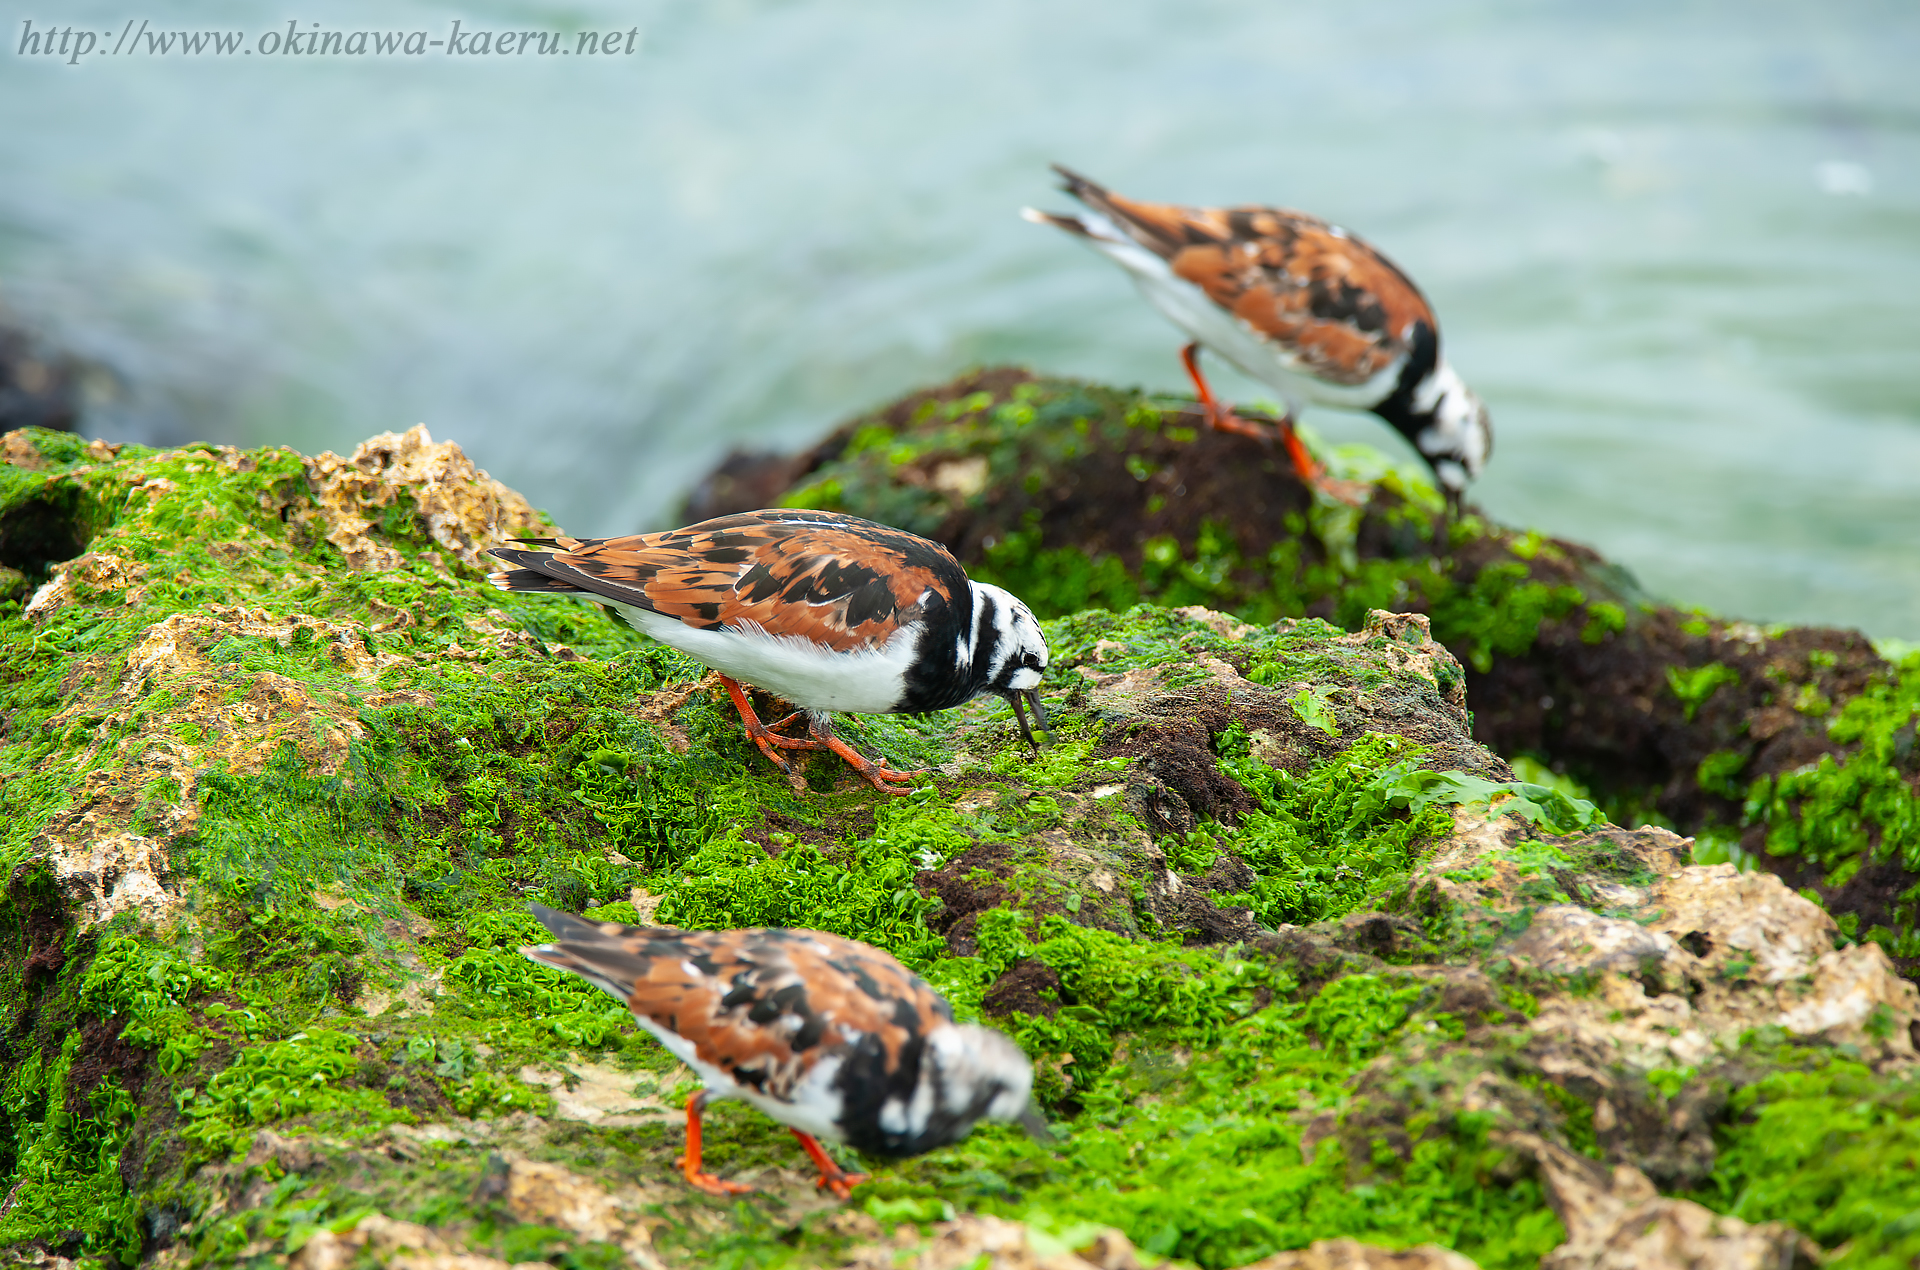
pixel 1676 246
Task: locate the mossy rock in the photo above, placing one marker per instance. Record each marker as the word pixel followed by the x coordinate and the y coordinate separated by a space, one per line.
pixel 279 774
pixel 1789 748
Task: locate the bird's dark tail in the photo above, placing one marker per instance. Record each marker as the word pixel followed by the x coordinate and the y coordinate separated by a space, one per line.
pixel 1115 220
pixel 566 925
pixel 1072 224
pixel 1090 192
pixel 1093 194
pixel 609 955
pixel 528 579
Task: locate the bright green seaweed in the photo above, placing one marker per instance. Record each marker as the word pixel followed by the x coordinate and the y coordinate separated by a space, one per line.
pixel 389 840
pixel 1863 809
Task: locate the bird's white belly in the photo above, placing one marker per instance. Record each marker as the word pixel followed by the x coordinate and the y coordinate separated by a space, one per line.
pixel 790 667
pixel 814 1105
pixel 812 1109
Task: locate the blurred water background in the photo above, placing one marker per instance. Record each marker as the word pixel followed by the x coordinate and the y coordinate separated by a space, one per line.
pixel 1675 244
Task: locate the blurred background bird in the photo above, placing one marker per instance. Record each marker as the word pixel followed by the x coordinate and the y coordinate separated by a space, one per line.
pixel 1312 311
pixel 1667 242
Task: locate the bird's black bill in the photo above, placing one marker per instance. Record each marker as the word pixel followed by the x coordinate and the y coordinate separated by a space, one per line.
pixel 1031 696
pixel 1035 1124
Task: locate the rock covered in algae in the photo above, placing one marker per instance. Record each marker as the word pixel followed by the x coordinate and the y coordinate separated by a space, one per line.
pixel 1789 747
pixel 1305 973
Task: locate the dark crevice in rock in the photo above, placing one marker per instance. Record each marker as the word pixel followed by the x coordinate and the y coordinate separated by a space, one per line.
pixel 39 533
pixel 104 1053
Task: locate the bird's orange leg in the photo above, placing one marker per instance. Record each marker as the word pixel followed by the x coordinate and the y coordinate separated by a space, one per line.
pixel 690 1163
pixel 832 1176
pixel 1305 466
pixel 1220 418
pixel 1223 419
pixel 875 774
pixel 777 724
pixel 770 744
pixel 820 737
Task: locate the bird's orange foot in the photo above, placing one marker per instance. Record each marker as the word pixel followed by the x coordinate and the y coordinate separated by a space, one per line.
pixel 875 774
pixel 769 742
pixel 715 1185
pixel 795 717
pixel 819 737
pixel 840 1183
pixel 1223 419
pixel 1352 493
pixel 1220 417
pixel 1313 473
pixel 696 1176
pixel 832 1177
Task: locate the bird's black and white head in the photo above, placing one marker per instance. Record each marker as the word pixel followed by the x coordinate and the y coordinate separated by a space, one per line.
pixel 1009 653
pixel 967 1074
pixel 1452 430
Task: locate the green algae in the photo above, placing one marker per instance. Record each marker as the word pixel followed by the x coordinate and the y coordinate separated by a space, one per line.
pixel 1076 506
pixel 1696 686
pixel 441 778
pixel 1499 612
pixel 432 812
pixel 1829 1147
pixel 451 767
pixel 1861 809
pixel 62 1154
pixel 1322 844
pixel 1603 619
pixel 1718 773
pixel 299 1077
pixel 1549 806
pixel 1195 1111
pixel 865 892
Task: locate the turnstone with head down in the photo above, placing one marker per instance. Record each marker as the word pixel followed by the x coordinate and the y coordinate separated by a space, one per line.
pixel 1316 313
pixel 827 611
pixel 832 1038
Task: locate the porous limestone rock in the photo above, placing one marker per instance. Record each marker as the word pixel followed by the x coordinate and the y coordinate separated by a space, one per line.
pixel 465 510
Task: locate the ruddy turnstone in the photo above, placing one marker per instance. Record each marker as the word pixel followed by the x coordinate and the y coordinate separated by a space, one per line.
pixel 1303 306
pixel 832 1038
pixel 829 612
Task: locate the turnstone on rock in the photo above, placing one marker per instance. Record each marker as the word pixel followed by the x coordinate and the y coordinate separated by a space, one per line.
pixel 1316 313
pixel 832 1038
pixel 828 612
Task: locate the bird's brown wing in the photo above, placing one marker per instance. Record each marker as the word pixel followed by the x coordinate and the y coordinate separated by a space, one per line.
pixel 1333 300
pixel 842 582
pixel 762 1005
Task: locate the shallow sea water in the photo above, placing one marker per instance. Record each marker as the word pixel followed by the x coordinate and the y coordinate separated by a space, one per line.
pixel 1676 246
